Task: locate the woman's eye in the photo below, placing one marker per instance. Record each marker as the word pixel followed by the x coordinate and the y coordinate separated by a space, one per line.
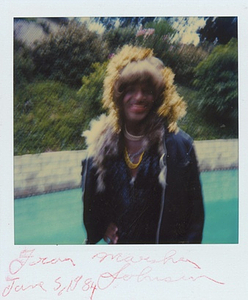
pixel 130 89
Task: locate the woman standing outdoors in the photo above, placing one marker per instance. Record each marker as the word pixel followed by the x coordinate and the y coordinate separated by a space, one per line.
pixel 141 180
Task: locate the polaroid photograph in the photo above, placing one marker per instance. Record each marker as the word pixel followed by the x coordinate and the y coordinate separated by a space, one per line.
pixel 123 145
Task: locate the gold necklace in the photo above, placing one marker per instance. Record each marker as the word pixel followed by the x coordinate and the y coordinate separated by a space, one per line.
pixel 131 165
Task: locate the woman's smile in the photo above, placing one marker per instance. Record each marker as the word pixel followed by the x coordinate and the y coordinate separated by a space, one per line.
pixel 137 102
pixel 139 107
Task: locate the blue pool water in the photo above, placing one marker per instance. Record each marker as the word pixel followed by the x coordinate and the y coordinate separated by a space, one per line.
pixel 56 218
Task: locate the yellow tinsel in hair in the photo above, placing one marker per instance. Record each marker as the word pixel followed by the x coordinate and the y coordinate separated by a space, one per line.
pixel 116 64
pixel 172 108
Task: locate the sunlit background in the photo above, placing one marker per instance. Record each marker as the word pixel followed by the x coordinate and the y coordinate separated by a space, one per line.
pixel 59 66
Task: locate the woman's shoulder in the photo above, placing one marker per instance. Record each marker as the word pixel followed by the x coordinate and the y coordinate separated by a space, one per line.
pixel 185 137
pixel 180 140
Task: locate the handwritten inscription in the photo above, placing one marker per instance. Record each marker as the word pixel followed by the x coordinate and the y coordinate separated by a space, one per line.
pixel 116 268
pixel 25 258
pixel 87 285
pixel 15 286
pixel 119 257
pixel 106 279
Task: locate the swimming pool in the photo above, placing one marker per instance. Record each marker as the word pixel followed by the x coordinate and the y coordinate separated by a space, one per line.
pixel 56 218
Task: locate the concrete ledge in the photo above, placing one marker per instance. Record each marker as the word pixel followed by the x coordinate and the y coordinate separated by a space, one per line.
pixel 47 172
pixel 217 154
pixel 54 171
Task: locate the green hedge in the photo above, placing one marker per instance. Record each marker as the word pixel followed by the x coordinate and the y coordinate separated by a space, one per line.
pixel 47 117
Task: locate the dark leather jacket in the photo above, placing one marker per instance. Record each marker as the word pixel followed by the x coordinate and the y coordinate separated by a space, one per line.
pixel 142 210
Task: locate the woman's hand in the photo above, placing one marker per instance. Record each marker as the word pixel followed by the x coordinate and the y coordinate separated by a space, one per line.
pixel 110 235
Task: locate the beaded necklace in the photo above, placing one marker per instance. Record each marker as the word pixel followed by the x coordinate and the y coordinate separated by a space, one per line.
pixel 129 157
pixel 128 161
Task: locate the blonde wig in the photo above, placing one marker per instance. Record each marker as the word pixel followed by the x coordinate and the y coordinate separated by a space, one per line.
pixel 130 65
pixel 135 64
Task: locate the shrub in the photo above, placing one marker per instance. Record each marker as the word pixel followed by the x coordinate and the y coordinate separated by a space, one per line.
pixel 181 58
pixel 91 93
pixel 196 124
pixel 118 37
pixel 67 55
pixel 217 81
pixel 186 58
pixel 47 117
pixel 158 38
pixel 23 64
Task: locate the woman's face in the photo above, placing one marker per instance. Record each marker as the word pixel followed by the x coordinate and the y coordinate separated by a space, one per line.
pixel 137 102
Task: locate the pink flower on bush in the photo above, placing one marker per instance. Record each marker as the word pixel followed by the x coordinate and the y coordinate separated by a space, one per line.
pixel 145 32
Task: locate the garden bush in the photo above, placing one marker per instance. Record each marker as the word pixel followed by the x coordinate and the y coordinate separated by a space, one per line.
pixel 68 54
pixel 47 117
pixel 216 78
pixel 91 94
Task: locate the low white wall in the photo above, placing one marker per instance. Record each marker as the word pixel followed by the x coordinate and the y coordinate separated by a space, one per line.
pixel 53 171
pixel 45 172
pixel 217 154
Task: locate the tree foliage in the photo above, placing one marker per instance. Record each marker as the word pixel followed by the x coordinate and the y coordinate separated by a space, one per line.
pixel 181 58
pixel 50 116
pixel 186 58
pixel 134 22
pixel 119 36
pixel 91 93
pixel 59 81
pixel 217 80
pixel 67 55
pixel 157 35
pixel 23 64
pixel 220 29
